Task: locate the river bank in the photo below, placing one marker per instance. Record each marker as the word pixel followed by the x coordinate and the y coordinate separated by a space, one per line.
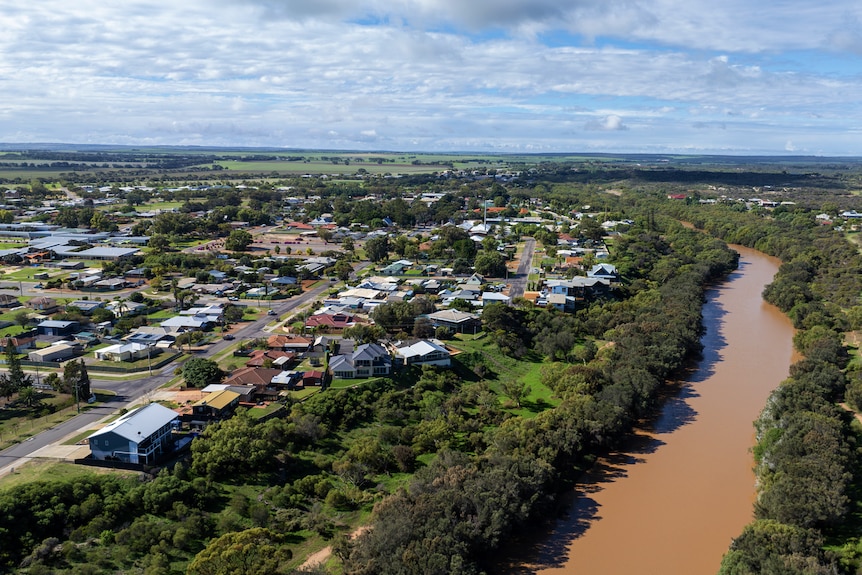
pixel 684 486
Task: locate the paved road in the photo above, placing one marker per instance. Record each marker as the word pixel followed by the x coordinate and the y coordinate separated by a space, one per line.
pixel 518 282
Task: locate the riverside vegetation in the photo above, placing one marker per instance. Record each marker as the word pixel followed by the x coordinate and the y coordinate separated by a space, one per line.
pixel 445 466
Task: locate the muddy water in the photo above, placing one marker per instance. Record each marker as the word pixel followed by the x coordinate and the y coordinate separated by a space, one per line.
pixel 671 502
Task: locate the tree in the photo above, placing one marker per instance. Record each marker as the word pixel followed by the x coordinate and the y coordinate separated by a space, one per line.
pixel 159 243
pixel 29 396
pixel 256 551
pixel 232 314
pixel 491 264
pixel 343 269
pixel 377 249
pixel 201 372
pixel 516 390
pixel 22 318
pixel 238 241
pixel 15 376
pixel 76 380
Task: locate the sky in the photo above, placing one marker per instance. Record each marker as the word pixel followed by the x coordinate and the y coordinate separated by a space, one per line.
pixel 747 77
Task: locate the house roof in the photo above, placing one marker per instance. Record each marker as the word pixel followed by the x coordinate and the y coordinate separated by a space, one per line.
pixel 252 376
pixel 370 351
pixel 140 423
pixel 219 399
pixel 124 347
pixel 106 252
pixel 57 323
pixel 288 340
pixel 259 356
pixel 341 363
pixel 453 316
pixel 186 321
pixel 422 348
pixel 42 301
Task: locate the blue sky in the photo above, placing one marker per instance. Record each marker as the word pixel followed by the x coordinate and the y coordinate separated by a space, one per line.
pixel 667 76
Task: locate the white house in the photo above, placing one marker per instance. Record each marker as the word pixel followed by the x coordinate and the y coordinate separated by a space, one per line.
pixel 131 351
pixel 424 352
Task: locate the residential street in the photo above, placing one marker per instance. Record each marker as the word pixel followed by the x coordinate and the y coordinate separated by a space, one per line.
pixel 132 389
pixel 519 280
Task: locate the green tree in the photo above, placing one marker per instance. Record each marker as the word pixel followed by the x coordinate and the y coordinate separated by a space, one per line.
pixel 256 551
pixel 22 318
pixel 76 380
pixel 491 264
pixel 238 241
pixel 516 390
pixel 377 249
pixel 14 375
pixel 201 372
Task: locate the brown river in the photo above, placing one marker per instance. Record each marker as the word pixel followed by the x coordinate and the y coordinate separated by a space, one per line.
pixel 673 500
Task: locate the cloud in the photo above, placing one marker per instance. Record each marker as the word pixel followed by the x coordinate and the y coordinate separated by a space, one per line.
pixel 441 74
pixel 609 123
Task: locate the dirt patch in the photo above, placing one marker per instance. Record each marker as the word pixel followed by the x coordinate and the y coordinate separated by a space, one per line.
pixel 322 556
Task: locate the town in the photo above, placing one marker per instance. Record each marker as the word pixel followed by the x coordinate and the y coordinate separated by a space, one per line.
pixel 285 355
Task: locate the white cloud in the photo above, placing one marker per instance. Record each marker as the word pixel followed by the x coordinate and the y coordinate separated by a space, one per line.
pixel 319 73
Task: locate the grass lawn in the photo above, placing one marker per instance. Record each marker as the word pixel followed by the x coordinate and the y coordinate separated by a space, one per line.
pixel 260 412
pixel 527 370
pixel 26 274
pixel 152 206
pixel 54 470
pixel 19 423
pixel 11 245
pixel 346 383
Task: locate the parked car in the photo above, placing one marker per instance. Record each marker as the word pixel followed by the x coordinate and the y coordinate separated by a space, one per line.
pixel 233 298
pixel 38 286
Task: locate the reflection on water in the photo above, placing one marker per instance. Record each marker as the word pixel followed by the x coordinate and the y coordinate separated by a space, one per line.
pixel 683 487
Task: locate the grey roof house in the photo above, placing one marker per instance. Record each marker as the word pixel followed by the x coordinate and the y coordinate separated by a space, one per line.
pixel 139 436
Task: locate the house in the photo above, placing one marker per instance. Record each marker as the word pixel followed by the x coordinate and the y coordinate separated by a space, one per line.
pixel 215 406
pixel 337 321
pixel 293 343
pixel 287 380
pixel 7 300
pixel 87 306
pixel 44 305
pixel 246 392
pixel 562 302
pixel 259 377
pixel 423 352
pixel 458 321
pixel 368 360
pixel 135 274
pixel 55 327
pixel 124 308
pixel 312 377
pixel 132 351
pixel 139 436
pixel 475 280
pixel 156 335
pixel 60 351
pixel 181 322
pixel 604 271
pixel 490 297
pixel 397 268
pixel 259 357
pixel 20 343
pixel 110 284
